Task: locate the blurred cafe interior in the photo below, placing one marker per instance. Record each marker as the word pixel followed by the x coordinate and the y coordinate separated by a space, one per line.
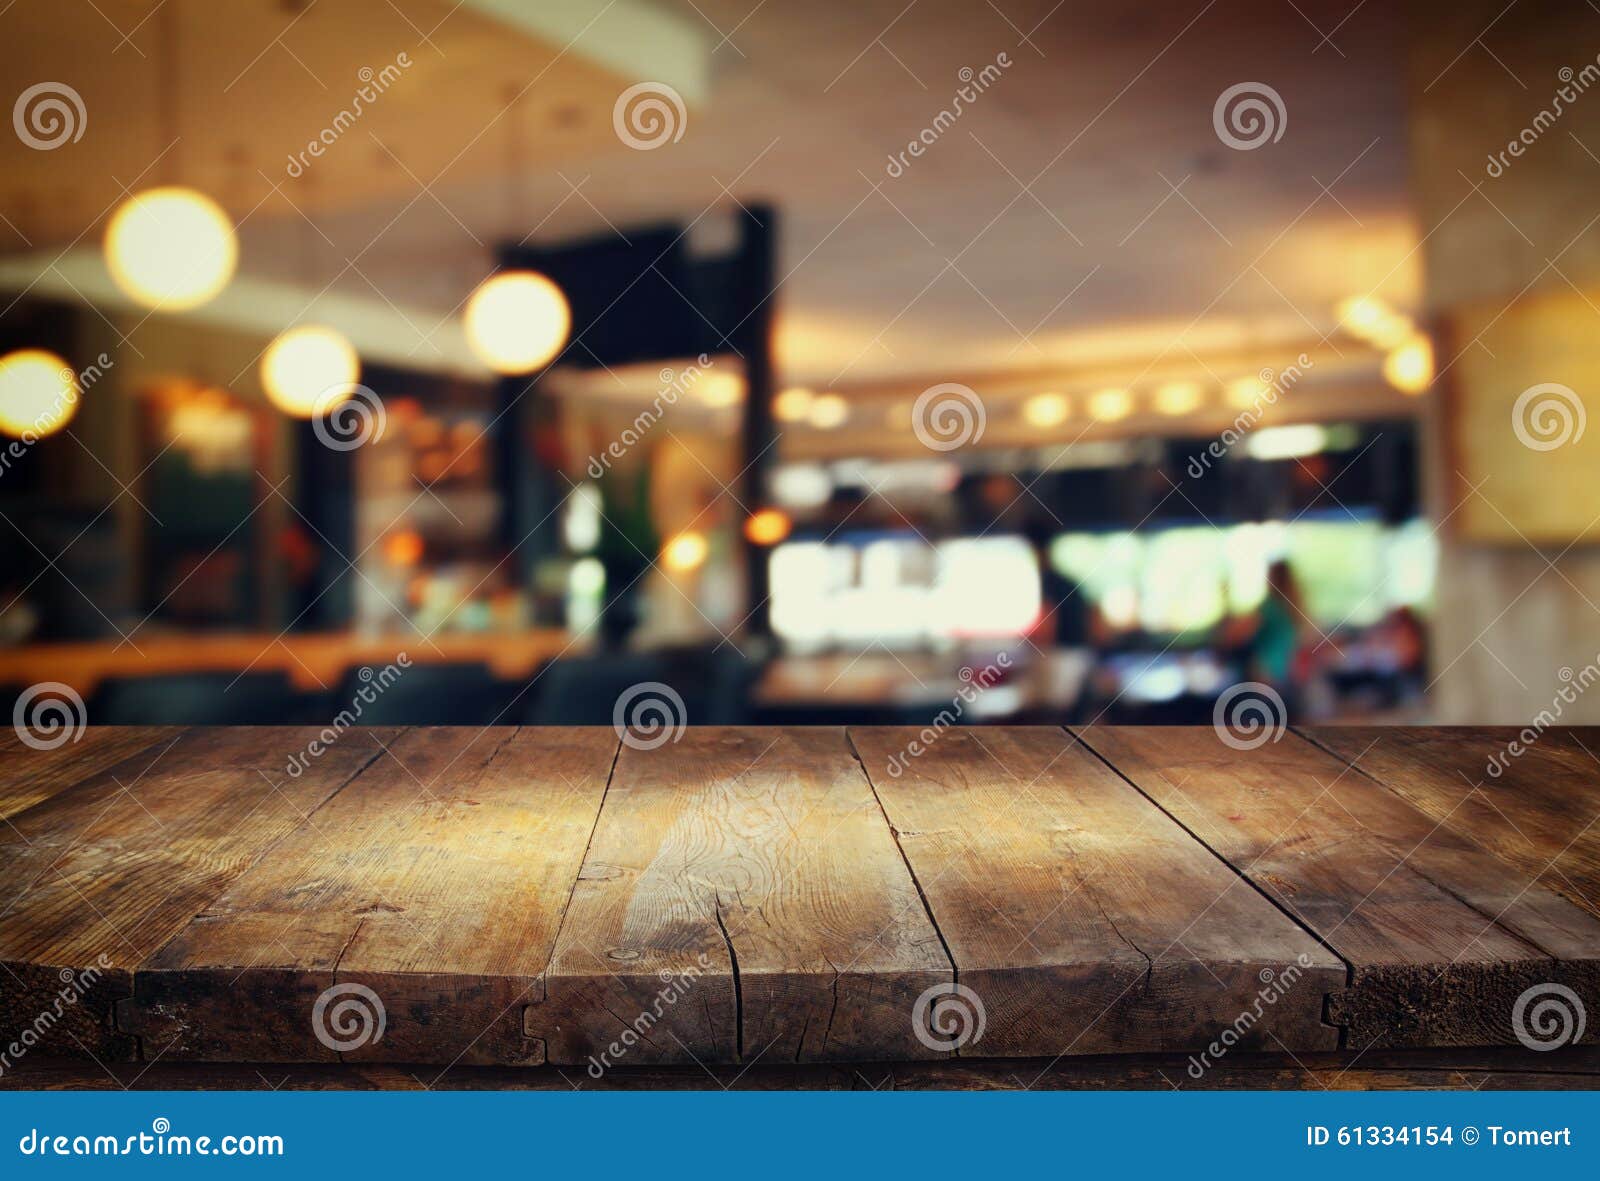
pixel 830 362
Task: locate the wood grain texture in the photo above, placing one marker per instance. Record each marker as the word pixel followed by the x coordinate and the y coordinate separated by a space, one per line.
pixel 1084 918
pixel 1496 1068
pixel 97 877
pixel 28 776
pixel 742 900
pixel 1535 806
pixel 1442 937
pixel 436 880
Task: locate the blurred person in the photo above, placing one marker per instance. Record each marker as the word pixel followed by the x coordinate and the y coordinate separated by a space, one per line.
pixel 1275 653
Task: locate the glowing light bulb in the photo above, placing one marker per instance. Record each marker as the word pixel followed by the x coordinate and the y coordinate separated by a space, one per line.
pixel 793 405
pixel 1045 410
pixel 1179 397
pixel 685 552
pixel 828 411
pixel 1110 405
pixel 768 527
pixel 1409 368
pixel 517 321
pixel 721 390
pixel 307 371
pixel 38 394
pixel 171 248
pixel 1244 392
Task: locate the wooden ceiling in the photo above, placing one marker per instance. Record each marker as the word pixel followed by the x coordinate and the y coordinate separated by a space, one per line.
pixel 1082 211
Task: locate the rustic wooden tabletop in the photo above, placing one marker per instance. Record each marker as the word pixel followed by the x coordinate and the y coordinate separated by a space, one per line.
pixel 721 898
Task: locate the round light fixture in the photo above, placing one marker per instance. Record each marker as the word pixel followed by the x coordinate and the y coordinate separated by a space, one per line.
pixel 171 248
pixel 792 405
pixel 1110 405
pixel 1244 393
pixel 1409 368
pixel 685 552
pixel 1045 410
pixel 308 370
pixel 38 394
pixel 517 321
pixel 767 527
pixel 828 411
pixel 1179 397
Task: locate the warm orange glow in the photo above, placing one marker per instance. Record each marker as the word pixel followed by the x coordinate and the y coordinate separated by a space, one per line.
pixel 309 370
pixel 828 411
pixel 38 394
pixel 171 248
pixel 1409 368
pixel 685 552
pixel 792 405
pixel 517 321
pixel 403 548
pixel 1045 410
pixel 1179 397
pixel 720 390
pixel 1110 405
pixel 1245 392
pixel 768 527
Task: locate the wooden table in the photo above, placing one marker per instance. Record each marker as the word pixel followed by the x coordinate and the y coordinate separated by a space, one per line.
pixel 991 904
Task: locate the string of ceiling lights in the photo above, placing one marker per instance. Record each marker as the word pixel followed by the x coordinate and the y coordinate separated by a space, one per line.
pixel 172 248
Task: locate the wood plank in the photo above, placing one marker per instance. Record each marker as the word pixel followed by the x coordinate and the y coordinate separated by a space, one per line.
pixel 437 881
pixel 1085 920
pixel 28 776
pixel 742 899
pixel 97 877
pixel 1538 810
pixel 1377 1070
pixel 1441 936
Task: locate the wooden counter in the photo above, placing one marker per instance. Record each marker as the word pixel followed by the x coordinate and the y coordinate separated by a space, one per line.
pixel 557 898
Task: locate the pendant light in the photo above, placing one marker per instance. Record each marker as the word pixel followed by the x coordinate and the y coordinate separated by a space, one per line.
pixel 517 320
pixel 171 248
pixel 309 370
pixel 38 394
